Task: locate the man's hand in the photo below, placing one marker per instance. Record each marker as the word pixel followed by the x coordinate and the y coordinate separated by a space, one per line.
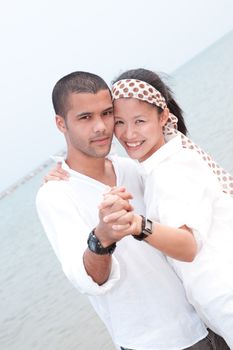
pixel 120 191
pixel 121 212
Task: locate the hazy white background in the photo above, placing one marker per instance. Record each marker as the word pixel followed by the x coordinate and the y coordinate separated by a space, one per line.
pixel 43 40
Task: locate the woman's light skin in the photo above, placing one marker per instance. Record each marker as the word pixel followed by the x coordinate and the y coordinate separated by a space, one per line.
pixel 139 127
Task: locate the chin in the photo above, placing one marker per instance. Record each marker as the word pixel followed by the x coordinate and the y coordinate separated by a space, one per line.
pixel 102 154
pixel 133 156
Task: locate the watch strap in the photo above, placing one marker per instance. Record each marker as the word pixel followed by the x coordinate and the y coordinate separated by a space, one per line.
pixel 96 247
pixel 146 229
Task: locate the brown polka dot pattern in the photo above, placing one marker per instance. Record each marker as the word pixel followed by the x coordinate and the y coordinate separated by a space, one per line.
pixel 143 91
pixel 225 179
pixel 138 89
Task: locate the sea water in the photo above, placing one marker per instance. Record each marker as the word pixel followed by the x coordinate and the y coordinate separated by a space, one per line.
pixel 39 307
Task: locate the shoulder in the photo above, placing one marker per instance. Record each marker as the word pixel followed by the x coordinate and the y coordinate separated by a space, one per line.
pixel 127 163
pixel 186 171
pixel 186 162
pixel 53 192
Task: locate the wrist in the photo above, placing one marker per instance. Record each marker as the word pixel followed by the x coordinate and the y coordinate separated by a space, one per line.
pixel 138 225
pixel 96 246
pixel 144 228
pixel 102 236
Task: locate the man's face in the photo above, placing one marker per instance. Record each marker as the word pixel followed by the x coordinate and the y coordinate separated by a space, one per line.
pixel 88 127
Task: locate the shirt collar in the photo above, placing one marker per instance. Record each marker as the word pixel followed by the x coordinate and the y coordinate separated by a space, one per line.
pixel 167 150
pixel 111 156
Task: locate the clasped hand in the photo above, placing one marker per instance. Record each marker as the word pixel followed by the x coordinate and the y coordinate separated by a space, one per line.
pixel 117 218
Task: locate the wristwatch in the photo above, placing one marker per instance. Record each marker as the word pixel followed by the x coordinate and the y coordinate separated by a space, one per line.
pixel 96 247
pixel 147 226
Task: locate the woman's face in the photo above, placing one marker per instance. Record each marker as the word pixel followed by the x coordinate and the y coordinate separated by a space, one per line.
pixel 139 127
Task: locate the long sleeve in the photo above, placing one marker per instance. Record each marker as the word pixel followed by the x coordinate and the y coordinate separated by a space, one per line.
pixel 67 232
pixel 181 192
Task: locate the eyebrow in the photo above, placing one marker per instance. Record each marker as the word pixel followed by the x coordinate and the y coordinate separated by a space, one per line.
pixel 89 113
pixel 82 114
pixel 108 109
pixel 135 117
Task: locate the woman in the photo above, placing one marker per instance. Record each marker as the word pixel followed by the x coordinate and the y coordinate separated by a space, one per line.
pixel 185 189
pixel 187 195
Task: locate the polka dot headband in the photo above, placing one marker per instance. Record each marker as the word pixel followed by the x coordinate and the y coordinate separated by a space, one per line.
pixel 134 88
pixel 138 89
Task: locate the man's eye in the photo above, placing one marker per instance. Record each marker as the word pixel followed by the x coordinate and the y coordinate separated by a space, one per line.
pixel 85 117
pixel 108 113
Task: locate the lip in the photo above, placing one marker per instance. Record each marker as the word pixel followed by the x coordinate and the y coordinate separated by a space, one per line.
pixel 133 145
pixel 101 140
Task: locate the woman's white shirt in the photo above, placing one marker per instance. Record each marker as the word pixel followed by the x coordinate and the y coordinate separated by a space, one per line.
pixel 181 189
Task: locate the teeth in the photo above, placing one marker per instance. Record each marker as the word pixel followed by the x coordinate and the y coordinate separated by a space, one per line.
pixel 135 144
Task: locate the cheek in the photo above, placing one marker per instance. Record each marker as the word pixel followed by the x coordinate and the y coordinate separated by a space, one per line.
pixel 111 122
pixel 116 131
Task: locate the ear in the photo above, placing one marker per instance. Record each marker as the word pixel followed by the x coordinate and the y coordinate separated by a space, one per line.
pixel 60 123
pixel 164 116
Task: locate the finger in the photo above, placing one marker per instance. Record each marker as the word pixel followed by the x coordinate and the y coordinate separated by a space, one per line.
pixel 121 192
pixel 59 165
pixel 60 170
pixel 108 201
pixel 115 206
pixel 120 227
pixel 114 216
pixel 115 189
pixel 125 195
pixel 121 204
pixel 51 178
pixel 122 219
pixel 61 173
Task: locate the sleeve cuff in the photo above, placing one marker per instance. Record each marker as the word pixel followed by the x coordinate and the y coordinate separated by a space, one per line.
pixel 85 284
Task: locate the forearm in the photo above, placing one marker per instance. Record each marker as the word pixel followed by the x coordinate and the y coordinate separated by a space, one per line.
pixel 98 267
pixel 178 243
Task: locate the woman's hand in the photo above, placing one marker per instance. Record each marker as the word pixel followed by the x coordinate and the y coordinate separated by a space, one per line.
pixel 119 191
pixel 57 174
pixel 113 210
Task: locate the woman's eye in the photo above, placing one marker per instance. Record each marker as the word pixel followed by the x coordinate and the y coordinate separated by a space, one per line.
pixel 139 121
pixel 118 122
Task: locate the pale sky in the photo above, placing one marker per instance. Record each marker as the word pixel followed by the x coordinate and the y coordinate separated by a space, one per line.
pixel 42 41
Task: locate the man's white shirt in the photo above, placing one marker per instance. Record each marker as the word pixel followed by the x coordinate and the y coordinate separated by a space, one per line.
pixel 143 303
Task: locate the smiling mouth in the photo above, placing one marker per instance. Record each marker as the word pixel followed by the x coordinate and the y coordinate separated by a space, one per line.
pixel 134 144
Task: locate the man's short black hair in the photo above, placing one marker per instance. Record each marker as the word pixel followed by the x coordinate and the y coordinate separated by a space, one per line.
pixel 76 82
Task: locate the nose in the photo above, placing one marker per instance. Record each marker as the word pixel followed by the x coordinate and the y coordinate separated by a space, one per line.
pixel 129 132
pixel 99 125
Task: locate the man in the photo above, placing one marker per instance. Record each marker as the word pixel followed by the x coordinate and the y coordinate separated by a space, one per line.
pixel 129 283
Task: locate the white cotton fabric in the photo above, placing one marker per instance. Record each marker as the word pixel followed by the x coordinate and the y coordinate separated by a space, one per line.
pixel 143 303
pixel 180 189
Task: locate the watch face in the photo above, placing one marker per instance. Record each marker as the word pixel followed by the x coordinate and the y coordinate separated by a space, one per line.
pixel 95 245
pixel 149 226
pixel 92 245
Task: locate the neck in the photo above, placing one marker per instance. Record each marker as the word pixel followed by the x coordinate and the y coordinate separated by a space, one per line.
pixel 100 169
